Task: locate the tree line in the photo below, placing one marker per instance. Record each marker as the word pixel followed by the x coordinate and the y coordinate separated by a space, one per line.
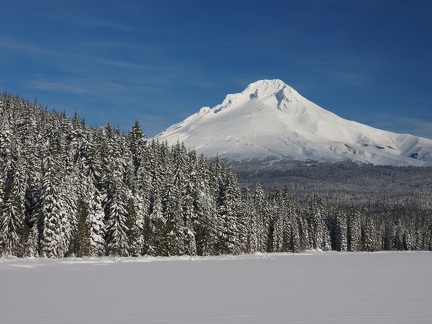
pixel 68 189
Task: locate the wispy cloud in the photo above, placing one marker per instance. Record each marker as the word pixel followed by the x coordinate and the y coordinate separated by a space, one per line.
pixel 20 46
pixel 78 86
pixel 104 45
pixel 340 67
pixel 99 23
pixel 87 69
pixel 409 125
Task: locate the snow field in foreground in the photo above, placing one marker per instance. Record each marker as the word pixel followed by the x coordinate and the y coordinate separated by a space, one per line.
pixel 262 288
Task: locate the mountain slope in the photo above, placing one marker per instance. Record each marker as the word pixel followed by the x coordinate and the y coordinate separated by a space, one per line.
pixel 270 120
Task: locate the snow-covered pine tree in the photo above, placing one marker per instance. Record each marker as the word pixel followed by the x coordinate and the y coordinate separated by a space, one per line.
pixel 229 214
pixel 341 231
pixel 354 230
pixel 143 187
pixel 262 218
pixel 52 242
pixel 116 220
pixel 188 194
pixel 172 211
pixel 305 240
pixel 370 241
pixel 316 223
pixel 116 195
pixel 12 220
pixel 176 203
pixel 275 233
pixel 132 159
pixel 291 207
pixel 30 139
pixel 407 237
pixel 89 162
pixel 12 186
pixel 398 230
pixel 295 243
pixel 155 230
pixel 82 238
pixel 205 225
pixel 134 229
pixel 251 221
pixel 95 221
pixel 287 211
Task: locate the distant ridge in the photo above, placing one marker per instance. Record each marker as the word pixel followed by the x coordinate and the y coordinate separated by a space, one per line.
pixel 271 120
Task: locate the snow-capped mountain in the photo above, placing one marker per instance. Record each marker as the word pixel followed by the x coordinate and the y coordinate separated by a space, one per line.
pixel 269 119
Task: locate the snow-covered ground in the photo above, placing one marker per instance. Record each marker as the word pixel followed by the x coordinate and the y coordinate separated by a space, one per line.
pixel 264 288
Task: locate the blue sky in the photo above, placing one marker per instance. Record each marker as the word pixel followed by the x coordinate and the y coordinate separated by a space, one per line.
pixel 160 61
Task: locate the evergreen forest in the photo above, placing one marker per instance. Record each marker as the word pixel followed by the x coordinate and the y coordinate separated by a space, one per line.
pixel 68 189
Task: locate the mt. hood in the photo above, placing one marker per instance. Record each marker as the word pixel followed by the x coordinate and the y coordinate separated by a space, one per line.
pixel 270 120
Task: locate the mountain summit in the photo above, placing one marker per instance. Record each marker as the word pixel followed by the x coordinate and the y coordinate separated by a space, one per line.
pixel 270 120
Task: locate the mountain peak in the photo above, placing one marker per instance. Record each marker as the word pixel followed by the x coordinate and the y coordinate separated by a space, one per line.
pixel 264 90
pixel 270 120
pixel 268 85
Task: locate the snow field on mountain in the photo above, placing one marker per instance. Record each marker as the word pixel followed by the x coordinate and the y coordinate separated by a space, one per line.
pixel 271 119
pixel 334 287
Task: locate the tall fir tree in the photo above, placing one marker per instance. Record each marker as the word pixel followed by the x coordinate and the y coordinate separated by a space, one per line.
pixel 354 230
